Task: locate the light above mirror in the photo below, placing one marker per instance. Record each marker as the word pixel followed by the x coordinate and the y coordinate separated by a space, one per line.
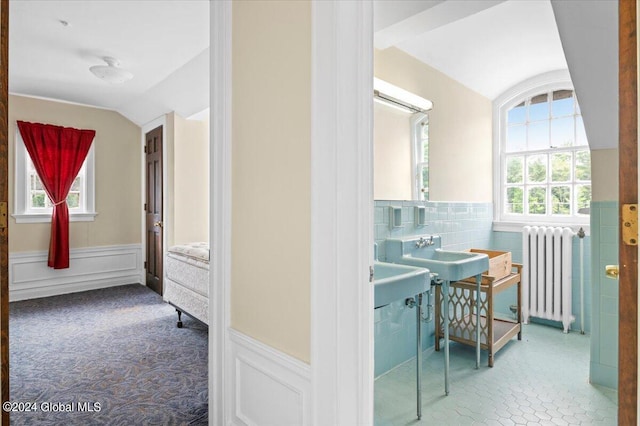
pixel 397 97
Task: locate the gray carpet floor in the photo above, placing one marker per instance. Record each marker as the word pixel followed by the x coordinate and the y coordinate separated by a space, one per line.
pixel 112 356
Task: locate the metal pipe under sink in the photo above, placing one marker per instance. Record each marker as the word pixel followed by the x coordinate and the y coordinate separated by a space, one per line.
pixel 417 303
pixel 419 355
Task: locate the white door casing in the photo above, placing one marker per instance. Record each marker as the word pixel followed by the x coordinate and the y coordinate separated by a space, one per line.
pixel 341 218
pixel 342 213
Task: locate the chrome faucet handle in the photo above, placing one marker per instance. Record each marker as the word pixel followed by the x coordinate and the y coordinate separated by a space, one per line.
pixel 421 242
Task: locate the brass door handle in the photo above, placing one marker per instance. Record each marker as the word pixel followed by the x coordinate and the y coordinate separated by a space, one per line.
pixel 159 224
pixel 612 271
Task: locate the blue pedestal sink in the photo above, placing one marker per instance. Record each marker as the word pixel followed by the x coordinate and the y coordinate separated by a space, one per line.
pixel 425 251
pixel 401 282
pixel 398 282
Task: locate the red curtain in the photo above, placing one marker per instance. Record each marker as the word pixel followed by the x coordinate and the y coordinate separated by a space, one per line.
pixel 57 154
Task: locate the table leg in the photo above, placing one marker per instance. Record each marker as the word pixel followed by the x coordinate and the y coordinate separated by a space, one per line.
pixel 478 305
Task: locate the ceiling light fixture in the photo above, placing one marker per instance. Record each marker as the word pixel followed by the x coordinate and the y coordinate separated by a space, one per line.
pixel 111 73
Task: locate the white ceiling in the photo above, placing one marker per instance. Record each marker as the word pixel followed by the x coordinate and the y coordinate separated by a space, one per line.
pixel 487 46
pixel 491 45
pixel 165 44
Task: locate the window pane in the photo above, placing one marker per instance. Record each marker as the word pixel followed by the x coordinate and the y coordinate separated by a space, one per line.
pixel 583 199
pixel 561 167
pixel 561 200
pixel 516 138
pixel 75 186
pixel 562 134
pixel 581 135
pixel 515 170
pixel 73 200
pixel 424 134
pixel 562 94
pixel 562 104
pixel 517 114
pixel 424 140
pixel 424 185
pixel 36 183
pixel 583 165
pixel 37 199
pixel 537 197
pixel 515 200
pixel 538 135
pixel 539 108
pixel 537 168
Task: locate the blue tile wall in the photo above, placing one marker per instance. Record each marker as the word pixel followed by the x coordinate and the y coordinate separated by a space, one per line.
pixel 467 225
pixel 461 226
pixel 512 241
pixel 604 336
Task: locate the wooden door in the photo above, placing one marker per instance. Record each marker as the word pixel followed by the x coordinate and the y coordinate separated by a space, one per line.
pixel 4 195
pixel 628 194
pixel 153 208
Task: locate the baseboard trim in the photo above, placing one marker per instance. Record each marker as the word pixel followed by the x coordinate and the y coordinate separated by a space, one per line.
pixel 90 268
pixel 603 375
pixel 269 387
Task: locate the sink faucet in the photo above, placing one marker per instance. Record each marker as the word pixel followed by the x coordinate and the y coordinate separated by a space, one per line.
pixel 422 242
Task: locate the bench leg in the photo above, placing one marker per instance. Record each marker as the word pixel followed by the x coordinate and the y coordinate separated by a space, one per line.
pixel 179 324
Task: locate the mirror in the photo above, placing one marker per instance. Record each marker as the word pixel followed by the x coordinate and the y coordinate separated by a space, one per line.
pixel 401 143
pixel 460 134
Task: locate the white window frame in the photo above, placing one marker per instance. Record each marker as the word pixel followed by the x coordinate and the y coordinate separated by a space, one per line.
pixel 21 210
pixel 552 81
pixel 417 155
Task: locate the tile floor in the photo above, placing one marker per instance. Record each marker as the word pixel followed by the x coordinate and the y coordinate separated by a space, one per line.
pixel 542 379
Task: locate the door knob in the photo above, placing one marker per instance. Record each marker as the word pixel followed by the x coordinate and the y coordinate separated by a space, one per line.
pixel 159 224
pixel 612 271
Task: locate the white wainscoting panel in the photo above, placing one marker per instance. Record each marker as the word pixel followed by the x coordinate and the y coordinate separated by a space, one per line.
pixel 269 387
pixel 90 268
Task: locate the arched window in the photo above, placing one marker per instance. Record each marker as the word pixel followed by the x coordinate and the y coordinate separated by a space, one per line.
pixel 544 160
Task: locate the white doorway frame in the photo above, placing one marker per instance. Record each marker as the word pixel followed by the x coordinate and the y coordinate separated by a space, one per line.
pixel 220 397
pixel 341 218
pixel 342 212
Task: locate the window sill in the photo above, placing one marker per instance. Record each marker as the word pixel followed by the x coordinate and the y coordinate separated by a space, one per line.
pixel 517 226
pixel 46 217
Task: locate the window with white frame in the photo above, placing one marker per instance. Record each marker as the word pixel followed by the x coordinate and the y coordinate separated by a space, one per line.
pixel 545 162
pixel 420 137
pixel 32 203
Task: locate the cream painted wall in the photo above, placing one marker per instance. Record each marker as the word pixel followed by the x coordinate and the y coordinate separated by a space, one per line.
pixel 270 253
pixel 604 174
pixel 117 167
pixel 392 179
pixel 460 128
pixel 191 180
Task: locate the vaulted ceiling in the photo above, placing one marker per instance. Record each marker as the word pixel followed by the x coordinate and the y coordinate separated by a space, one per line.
pixel 491 45
pixel 165 44
pixel 486 45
